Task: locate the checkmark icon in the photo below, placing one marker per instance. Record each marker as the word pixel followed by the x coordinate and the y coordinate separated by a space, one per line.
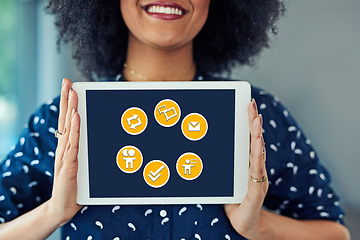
pixel 155 175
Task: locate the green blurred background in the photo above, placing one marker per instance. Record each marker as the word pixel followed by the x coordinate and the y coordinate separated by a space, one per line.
pixel 8 103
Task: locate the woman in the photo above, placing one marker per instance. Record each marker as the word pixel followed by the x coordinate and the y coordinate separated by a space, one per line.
pixel 166 40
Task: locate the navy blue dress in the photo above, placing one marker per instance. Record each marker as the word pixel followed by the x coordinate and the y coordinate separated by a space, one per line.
pixel 299 185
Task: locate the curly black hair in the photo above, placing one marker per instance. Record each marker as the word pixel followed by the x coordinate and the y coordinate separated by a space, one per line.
pixel 235 32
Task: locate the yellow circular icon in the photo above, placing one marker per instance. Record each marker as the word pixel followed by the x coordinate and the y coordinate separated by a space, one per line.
pixel 129 159
pixel 156 173
pixel 189 166
pixel 167 113
pixel 194 126
pixel 134 121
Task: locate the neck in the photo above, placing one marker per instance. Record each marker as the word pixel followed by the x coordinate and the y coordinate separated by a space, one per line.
pixel 151 63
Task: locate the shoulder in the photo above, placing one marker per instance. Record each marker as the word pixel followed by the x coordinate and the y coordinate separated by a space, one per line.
pixel 48 110
pixel 28 169
pixel 43 122
pixel 45 115
pixel 277 118
pixel 36 142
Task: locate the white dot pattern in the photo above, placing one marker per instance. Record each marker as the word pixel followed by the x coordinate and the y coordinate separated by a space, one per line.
pixel 299 184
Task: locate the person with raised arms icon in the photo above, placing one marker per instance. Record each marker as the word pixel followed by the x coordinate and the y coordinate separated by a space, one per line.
pixel 167 40
pixel 187 166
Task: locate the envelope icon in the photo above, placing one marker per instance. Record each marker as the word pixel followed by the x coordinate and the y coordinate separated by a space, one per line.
pixel 194 127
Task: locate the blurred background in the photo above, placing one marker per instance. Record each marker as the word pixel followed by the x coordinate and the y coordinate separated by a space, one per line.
pixel 312 66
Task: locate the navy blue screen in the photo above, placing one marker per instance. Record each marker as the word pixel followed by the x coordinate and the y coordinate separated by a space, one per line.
pixel 106 137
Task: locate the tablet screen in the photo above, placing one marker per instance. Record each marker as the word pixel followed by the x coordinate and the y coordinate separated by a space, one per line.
pixel 107 136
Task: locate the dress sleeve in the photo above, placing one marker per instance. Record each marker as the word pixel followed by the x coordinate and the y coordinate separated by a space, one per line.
pixel 26 174
pixel 299 183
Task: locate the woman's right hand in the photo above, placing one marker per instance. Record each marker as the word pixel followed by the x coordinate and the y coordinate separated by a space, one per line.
pixel 43 220
pixel 64 194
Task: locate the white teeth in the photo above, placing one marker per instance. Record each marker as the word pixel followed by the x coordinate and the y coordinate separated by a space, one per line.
pixel 166 10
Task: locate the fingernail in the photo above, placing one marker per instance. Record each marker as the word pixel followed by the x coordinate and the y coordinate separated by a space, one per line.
pixel 63 81
pixel 261 119
pixel 73 113
pixel 254 104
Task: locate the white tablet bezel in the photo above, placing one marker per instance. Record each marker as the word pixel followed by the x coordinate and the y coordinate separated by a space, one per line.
pixel 241 141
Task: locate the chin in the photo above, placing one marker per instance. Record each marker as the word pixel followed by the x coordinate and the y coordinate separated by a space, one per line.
pixel 166 41
pixel 166 44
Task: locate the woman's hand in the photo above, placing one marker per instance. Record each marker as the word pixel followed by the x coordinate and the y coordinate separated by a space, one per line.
pixel 43 220
pixel 251 221
pixel 63 200
pixel 246 217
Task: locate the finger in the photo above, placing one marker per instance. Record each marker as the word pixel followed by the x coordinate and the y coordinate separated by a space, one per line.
pixel 72 104
pixel 72 146
pixel 252 112
pixel 255 132
pixel 66 86
pixel 257 164
pixel 256 154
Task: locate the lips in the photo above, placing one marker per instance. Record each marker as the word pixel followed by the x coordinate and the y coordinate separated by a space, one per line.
pixel 165 10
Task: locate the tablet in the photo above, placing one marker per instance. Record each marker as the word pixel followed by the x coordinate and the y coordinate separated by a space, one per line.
pixel 163 142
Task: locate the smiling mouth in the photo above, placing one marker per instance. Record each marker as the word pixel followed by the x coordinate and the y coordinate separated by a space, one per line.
pixel 165 10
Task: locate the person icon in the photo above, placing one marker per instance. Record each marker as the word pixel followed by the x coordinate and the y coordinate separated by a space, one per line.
pixel 187 167
pixel 125 159
pixel 129 157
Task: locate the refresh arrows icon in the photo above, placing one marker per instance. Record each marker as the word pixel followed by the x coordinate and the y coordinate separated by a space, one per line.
pixel 134 117
pixel 134 120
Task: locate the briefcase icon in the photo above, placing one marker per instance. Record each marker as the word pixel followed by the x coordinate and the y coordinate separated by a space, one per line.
pixel 194 127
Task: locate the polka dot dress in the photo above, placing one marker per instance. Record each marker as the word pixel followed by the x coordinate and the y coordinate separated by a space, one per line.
pixel 299 185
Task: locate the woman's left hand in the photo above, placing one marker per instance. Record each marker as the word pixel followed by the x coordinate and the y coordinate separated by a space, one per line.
pixel 246 218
